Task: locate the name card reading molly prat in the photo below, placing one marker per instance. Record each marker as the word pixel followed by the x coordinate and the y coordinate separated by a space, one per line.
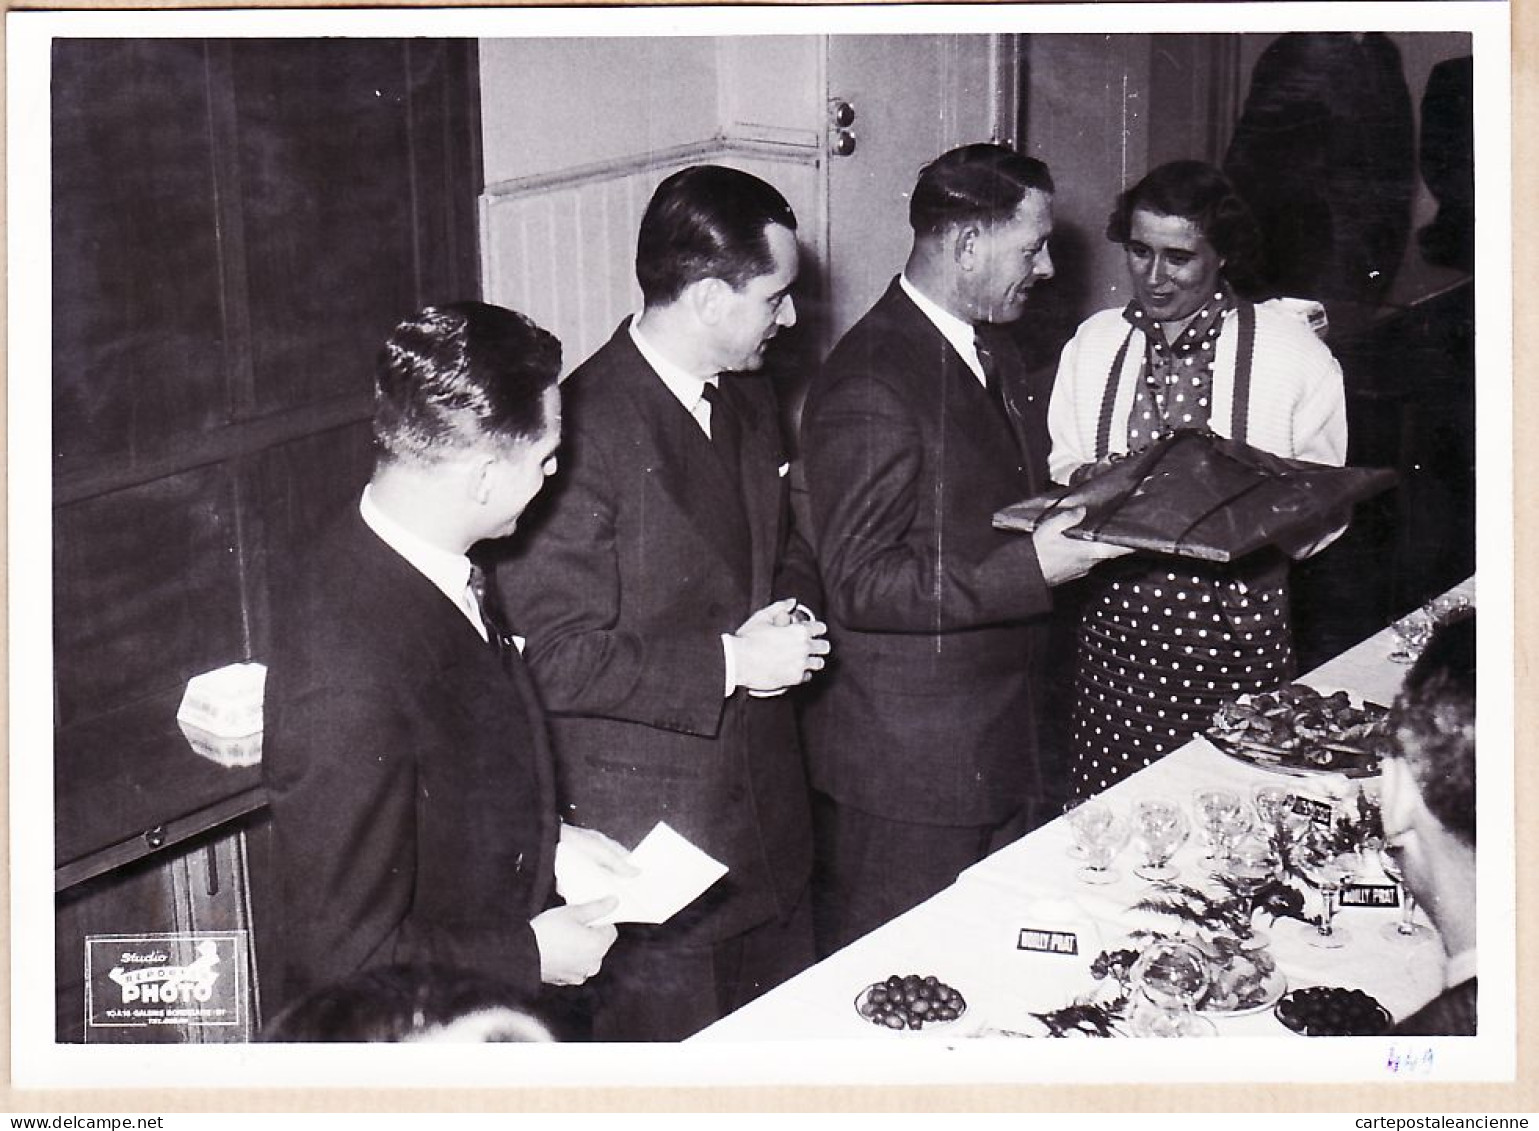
pixel 1369 895
pixel 1047 942
pixel 1318 812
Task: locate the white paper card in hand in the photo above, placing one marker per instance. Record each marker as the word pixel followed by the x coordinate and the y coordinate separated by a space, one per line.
pixel 671 873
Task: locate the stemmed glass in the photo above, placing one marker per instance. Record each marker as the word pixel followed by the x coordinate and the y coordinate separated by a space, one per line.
pixel 1070 807
pixel 1171 975
pixel 1328 870
pixel 1410 635
pixel 1217 812
pixel 1101 834
pixel 1406 929
pixel 1162 828
pixel 1251 863
pixel 1271 802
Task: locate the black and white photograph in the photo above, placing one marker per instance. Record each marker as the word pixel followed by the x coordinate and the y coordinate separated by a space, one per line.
pixel 761 546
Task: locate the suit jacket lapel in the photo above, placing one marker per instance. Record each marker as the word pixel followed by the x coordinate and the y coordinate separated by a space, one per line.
pixel 544 765
pixel 978 416
pixel 685 466
pixel 1003 444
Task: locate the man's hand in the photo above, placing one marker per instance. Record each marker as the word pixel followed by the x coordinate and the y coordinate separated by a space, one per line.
pixel 603 850
pixel 1063 558
pixel 571 947
pixel 776 650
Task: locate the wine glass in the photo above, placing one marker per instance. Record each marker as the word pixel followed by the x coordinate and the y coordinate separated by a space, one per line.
pixel 1170 977
pixel 1233 824
pixel 1069 808
pixel 1162 828
pixel 1084 815
pixel 1406 929
pixel 1251 862
pixel 1269 802
pixel 1100 840
pixel 1410 634
pixel 1216 811
pixel 1328 870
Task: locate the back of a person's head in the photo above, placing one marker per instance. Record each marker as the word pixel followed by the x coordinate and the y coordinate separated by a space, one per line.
pixel 707 222
pixel 1433 722
pixel 409 1003
pixel 459 374
pixel 980 183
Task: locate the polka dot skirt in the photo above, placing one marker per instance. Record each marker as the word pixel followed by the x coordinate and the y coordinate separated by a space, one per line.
pixel 1159 652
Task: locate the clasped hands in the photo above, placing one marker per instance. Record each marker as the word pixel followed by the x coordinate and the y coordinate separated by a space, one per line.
pixel 779 647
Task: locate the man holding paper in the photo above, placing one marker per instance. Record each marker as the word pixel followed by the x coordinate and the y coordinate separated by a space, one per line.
pixel 665 599
pixel 407 764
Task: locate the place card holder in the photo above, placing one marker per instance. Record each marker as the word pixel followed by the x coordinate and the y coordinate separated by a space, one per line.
pixel 1369 895
pixel 1043 941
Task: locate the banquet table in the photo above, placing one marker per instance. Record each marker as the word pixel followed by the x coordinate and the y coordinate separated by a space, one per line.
pixel 966 936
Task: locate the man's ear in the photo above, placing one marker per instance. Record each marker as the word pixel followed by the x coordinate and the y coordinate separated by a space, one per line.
pixel 1402 804
pixel 478 478
pixel 706 299
pixel 965 239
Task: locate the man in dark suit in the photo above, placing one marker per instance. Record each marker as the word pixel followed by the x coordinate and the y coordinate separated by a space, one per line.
pixel 666 601
pixel 407 767
pixel 1429 815
pixel 921 425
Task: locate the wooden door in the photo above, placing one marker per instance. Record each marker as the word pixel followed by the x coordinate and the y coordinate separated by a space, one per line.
pixel 914 97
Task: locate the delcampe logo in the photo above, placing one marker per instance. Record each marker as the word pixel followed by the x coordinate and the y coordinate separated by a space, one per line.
pixel 135 981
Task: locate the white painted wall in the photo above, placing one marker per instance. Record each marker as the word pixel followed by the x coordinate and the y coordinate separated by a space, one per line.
pixel 553 104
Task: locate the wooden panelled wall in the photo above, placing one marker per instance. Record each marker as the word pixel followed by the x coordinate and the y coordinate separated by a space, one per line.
pixel 236 227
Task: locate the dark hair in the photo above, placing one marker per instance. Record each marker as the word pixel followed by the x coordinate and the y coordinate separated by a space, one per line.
pixel 399 1003
pixel 452 376
pixel 1199 192
pixel 1433 722
pixel 707 222
pixel 982 182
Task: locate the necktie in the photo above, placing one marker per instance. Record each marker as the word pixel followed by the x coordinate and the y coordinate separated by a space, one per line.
pixel 991 374
pixel 726 431
pixel 486 605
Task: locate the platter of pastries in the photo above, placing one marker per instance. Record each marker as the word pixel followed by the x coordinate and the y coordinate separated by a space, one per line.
pixel 1297 730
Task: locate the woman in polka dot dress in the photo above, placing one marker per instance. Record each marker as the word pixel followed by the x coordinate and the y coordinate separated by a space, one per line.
pixel 1165 640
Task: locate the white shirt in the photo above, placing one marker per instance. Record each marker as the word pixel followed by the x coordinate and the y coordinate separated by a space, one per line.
pixel 689 389
pixel 962 336
pixel 448 571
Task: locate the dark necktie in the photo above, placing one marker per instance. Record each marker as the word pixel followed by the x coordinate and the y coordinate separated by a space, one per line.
pixel 991 374
pixel 726 432
pixel 491 616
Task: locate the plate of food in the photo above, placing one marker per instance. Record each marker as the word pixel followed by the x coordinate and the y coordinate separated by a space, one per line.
pixel 1297 730
pixel 1246 996
pixel 1245 977
pixel 910 1003
pixel 1332 1011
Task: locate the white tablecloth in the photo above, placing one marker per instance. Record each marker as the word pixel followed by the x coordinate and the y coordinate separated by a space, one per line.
pixel 966 936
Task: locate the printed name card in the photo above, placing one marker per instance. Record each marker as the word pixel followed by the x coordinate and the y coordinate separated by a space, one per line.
pixel 1047 942
pixel 1318 812
pixel 1370 895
